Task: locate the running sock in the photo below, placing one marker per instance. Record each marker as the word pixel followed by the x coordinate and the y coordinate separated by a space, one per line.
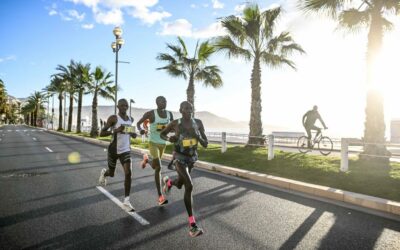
pixel 192 220
pixel 126 198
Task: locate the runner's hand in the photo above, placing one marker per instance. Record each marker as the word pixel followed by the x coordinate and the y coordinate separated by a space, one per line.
pixel 119 130
pixel 133 134
pixel 142 131
pixel 173 139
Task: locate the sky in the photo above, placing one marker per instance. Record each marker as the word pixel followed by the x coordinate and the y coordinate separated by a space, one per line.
pixel 38 35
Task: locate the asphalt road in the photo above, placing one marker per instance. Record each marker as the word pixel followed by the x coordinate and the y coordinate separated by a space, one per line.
pixel 48 203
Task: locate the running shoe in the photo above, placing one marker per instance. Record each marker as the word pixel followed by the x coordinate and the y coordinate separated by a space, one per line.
pixel 145 160
pixel 102 179
pixel 165 185
pixel 162 200
pixel 195 230
pixel 128 206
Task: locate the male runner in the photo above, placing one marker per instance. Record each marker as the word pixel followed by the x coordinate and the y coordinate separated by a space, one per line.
pixel 188 133
pixel 159 118
pixel 119 148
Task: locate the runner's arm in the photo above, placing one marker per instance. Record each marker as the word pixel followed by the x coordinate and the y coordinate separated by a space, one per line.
pixel 111 121
pixel 202 136
pixel 169 128
pixel 148 115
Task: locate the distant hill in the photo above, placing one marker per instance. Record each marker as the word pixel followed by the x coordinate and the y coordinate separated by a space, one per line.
pixel 212 122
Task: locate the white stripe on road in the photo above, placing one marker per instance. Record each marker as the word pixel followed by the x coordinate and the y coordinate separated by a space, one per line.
pixel 34 138
pixel 135 215
pixel 48 149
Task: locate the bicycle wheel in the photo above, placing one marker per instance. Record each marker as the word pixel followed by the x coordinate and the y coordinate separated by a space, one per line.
pixel 302 144
pixel 325 145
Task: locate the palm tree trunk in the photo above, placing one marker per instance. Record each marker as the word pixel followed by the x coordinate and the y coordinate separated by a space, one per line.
pixel 255 136
pixel 35 117
pixel 32 119
pixel 60 113
pixel 94 131
pixel 78 118
pixel 374 117
pixel 71 109
pixel 190 91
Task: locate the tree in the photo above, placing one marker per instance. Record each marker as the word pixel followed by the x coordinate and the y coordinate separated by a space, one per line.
pixel 195 68
pixel 3 98
pixel 28 110
pixel 69 77
pixel 370 15
pixel 100 86
pixel 36 99
pixel 57 86
pixel 252 38
pixel 83 77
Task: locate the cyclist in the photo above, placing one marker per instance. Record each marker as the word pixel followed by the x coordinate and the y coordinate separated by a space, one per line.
pixel 309 119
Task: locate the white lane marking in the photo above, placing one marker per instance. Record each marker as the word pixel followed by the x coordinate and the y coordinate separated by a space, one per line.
pixel 17 130
pixel 0 139
pixel 34 138
pixel 135 215
pixel 25 130
pixel 48 149
pixel 9 130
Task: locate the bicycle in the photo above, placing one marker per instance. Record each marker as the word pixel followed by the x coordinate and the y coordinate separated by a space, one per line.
pixel 324 143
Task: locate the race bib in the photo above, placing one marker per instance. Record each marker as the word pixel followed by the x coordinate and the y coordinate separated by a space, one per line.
pixel 129 129
pixel 189 142
pixel 161 126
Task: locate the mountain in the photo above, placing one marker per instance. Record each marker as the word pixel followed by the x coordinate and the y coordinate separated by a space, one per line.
pixel 212 122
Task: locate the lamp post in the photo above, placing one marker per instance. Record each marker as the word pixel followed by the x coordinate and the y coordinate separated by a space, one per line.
pixel 116 46
pixel 130 108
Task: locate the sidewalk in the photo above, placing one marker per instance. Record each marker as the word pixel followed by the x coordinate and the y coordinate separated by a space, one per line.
pixel 389 207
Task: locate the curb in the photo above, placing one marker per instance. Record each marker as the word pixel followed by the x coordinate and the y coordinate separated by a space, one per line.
pixel 361 200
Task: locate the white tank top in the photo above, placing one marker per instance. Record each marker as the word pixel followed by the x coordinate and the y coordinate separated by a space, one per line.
pixel 123 140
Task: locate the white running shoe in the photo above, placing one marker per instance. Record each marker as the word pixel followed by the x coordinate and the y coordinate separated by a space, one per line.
pixel 128 206
pixel 102 179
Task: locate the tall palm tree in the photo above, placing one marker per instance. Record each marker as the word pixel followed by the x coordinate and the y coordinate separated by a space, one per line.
pixel 57 87
pixel 28 110
pixel 252 37
pixel 37 99
pixel 370 15
pixel 3 97
pixel 194 68
pixel 83 77
pixel 68 75
pixel 101 85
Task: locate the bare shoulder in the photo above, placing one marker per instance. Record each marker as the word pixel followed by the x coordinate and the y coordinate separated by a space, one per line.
pixel 112 119
pixel 199 122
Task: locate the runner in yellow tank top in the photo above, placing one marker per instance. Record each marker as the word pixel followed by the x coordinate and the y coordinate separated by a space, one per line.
pixel 159 119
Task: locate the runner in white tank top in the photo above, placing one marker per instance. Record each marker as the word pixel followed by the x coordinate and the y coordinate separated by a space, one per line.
pixel 119 148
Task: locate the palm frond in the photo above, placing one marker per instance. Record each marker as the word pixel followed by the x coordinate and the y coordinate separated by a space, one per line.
pixel 210 75
pixel 276 61
pixel 226 44
pixel 270 18
pixel 206 49
pixel 235 28
pixel 353 19
pixel 329 7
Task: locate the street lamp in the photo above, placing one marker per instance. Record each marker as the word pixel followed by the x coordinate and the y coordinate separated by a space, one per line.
pixel 116 46
pixel 130 109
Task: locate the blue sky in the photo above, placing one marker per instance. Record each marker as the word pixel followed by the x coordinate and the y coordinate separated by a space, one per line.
pixel 37 35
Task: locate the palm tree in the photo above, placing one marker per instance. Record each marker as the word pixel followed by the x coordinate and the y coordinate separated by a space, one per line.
pixel 370 15
pixel 28 110
pixel 3 97
pixel 57 86
pixel 180 64
pixel 252 38
pixel 100 86
pixel 69 77
pixel 83 76
pixel 36 99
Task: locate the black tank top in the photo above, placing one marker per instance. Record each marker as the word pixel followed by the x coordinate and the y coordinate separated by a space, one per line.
pixel 187 142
